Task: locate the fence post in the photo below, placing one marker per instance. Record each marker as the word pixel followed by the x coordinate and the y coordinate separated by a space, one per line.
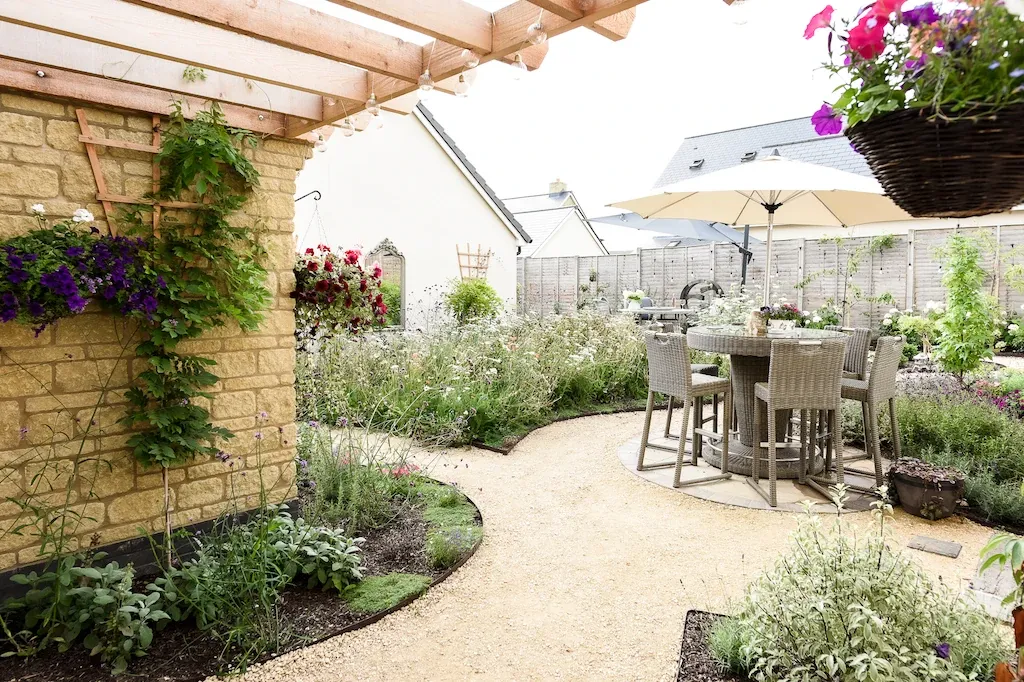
pixel 998 264
pixel 911 258
pixel 711 269
pixel 800 256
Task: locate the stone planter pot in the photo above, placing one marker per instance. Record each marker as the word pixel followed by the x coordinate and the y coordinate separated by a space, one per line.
pixel 781 325
pixel 927 499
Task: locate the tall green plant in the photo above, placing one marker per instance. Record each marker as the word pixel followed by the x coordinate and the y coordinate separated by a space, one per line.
pixel 966 328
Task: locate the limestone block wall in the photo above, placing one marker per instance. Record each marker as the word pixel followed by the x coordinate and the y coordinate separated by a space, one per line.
pixel 62 392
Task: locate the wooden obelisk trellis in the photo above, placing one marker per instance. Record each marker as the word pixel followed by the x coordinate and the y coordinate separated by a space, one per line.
pixel 105 197
pixel 473 265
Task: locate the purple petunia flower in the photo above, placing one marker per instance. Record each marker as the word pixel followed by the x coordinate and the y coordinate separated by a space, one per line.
pixel 74 251
pixel 942 651
pixel 826 121
pixel 17 276
pixel 921 15
pixel 8 314
pixel 31 257
pixel 76 303
pixel 36 309
pixel 15 261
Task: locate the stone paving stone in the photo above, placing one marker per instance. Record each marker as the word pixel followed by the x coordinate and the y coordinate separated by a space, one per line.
pixel 941 547
pixel 989 589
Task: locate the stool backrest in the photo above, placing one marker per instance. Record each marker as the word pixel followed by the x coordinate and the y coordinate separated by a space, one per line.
pixel 668 364
pixel 857 347
pixel 882 380
pixel 807 374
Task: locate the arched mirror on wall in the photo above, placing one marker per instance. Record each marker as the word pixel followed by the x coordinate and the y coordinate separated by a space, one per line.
pixel 392 265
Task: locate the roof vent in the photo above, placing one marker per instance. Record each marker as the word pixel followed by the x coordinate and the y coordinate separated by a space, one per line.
pixel 697 163
pixel 749 156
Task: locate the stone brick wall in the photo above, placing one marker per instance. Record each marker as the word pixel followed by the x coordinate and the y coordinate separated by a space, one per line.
pixel 58 433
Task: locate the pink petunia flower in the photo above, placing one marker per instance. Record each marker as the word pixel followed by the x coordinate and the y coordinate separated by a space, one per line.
pixel 820 20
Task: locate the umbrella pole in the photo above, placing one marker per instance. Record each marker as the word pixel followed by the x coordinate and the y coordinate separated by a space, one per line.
pixel 768 255
pixel 745 255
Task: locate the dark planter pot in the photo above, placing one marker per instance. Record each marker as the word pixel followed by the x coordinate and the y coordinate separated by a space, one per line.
pixel 928 500
pixel 934 168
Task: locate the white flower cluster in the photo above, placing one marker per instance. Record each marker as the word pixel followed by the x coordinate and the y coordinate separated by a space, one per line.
pixel 82 215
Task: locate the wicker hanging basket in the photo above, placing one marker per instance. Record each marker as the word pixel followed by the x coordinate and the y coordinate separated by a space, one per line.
pixel 934 168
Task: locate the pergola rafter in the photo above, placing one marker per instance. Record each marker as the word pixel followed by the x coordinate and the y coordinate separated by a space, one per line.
pixel 278 67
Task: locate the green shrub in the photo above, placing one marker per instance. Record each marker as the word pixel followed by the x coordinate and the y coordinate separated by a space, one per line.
pixel 379 593
pixel 233 584
pixel 78 601
pixel 839 607
pixel 446 546
pixel 966 329
pixel 726 644
pixel 392 294
pixel 471 300
pixel 974 437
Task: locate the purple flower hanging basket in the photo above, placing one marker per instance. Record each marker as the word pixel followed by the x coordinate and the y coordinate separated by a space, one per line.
pixel 937 168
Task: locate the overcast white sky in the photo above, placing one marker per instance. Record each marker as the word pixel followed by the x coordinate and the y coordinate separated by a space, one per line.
pixel 606 116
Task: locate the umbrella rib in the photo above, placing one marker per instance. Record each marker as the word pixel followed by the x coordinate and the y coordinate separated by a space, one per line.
pixel 668 206
pixel 833 213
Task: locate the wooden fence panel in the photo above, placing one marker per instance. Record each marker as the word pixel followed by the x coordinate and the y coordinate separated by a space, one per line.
pixel 910 272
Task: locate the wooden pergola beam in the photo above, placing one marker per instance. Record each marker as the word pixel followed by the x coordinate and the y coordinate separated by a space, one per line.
pixel 452 21
pixel 35 46
pixel 91 89
pixel 139 29
pixel 297 27
pixel 512 21
pixel 615 27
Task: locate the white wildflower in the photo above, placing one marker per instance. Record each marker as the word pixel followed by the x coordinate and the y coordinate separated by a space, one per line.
pixel 816 319
pixel 1015 6
pixel 1013 327
pixel 805 313
pixel 38 209
pixel 894 311
pixel 82 215
pixel 887 321
pixel 1000 345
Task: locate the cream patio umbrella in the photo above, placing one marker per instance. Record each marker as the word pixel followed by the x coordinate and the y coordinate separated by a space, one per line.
pixel 771 191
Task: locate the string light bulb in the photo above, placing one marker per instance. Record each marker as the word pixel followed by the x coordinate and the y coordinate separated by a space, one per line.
pixel 426 83
pixel 470 59
pixel 536 33
pixel 321 144
pixel 462 87
pixel 372 105
pixel 348 128
pixel 376 122
pixel 518 67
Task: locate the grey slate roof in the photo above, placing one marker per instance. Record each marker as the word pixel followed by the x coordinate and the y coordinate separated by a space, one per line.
pixel 429 117
pixel 541 224
pixel 539 202
pixel 795 139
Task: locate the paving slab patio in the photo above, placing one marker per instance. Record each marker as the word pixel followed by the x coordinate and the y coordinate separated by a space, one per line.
pixel 586 571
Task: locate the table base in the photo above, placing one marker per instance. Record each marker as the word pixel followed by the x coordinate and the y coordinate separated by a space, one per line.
pixel 741 459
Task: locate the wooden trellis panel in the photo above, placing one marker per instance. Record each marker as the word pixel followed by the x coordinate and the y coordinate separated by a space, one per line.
pixel 473 265
pixel 107 199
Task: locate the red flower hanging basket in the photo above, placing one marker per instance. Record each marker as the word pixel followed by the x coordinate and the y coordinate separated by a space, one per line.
pixel 937 168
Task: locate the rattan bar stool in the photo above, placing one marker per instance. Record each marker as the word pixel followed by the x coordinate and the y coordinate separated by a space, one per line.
pixel 855 364
pixel 671 374
pixel 804 375
pixel 880 387
pixel 707 370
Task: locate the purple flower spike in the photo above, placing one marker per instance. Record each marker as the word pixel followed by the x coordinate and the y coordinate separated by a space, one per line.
pixel 826 121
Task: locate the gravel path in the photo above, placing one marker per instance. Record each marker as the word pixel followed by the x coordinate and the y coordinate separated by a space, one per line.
pixel 586 571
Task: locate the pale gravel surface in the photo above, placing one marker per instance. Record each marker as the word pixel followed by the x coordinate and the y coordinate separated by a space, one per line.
pixel 585 573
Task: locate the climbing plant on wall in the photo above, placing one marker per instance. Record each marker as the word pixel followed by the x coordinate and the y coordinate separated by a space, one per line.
pixel 197 270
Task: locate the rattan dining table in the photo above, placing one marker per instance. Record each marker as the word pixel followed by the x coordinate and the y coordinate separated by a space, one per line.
pixel 749 359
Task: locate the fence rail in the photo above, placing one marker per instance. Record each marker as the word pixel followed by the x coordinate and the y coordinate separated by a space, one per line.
pixel 908 268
